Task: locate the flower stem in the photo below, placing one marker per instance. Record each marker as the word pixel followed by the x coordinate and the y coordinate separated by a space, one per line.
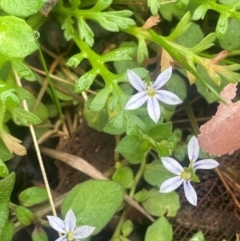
pixel 191 116
pixel 138 176
pixel 122 219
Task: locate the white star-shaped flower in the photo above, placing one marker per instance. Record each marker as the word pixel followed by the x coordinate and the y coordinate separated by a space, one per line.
pixel 68 227
pixel 185 175
pixel 151 93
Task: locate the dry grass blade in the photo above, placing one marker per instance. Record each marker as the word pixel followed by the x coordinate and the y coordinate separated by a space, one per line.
pixel 38 153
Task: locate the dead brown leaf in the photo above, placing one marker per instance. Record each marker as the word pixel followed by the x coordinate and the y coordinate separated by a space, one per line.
pixel 13 144
pixel 166 60
pixel 221 134
pixel 152 21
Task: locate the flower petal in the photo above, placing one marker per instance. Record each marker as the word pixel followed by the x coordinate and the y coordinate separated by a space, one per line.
pixel 205 164
pixel 153 109
pixel 62 238
pixel 172 165
pixel 70 220
pixel 83 232
pixel 168 97
pixel 171 184
pixel 135 80
pixel 190 193
pixel 136 101
pixel 162 78
pixel 193 149
pixel 57 223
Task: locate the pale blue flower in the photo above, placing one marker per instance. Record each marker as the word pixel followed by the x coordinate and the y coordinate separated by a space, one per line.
pixel 68 227
pixel 151 93
pixel 185 175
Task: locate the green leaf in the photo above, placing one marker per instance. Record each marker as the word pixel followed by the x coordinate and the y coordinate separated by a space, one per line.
pixel 200 12
pixel 85 33
pixel 75 60
pixel 222 25
pixel 3 168
pixel 160 230
pixel 191 37
pixel 32 196
pixel 119 54
pixel 181 4
pixel 23 117
pixel 8 95
pixel 169 10
pixel 96 120
pixel 107 24
pixel 122 66
pixel 197 237
pixel 21 8
pixel 24 215
pixel 39 234
pixel 134 124
pixel 67 26
pixel 8 231
pixel 88 201
pixel 101 5
pixel 141 195
pixel 116 125
pixel 69 88
pixel 155 173
pixel 23 93
pixel 112 103
pixel 154 6
pixel 22 70
pixel 228 2
pixel 75 3
pixel 142 51
pixel 130 148
pixel 127 227
pixel 182 27
pixel 177 85
pixel 158 204
pixel 5 155
pixel 6 69
pixel 100 100
pixel 6 186
pixel 206 43
pixel 17 39
pixel 119 18
pixel 201 87
pixel 114 20
pixel 229 40
pixel 161 132
pixel 41 111
pixel 124 176
pixel 85 81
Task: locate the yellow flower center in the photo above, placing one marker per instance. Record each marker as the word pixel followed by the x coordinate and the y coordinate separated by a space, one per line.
pixel 185 175
pixel 150 91
pixel 70 236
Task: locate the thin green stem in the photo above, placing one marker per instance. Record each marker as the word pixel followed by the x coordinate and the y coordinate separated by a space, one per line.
pixel 222 9
pixel 191 117
pixel 50 83
pixel 138 177
pixel 12 206
pixel 122 219
pixel 118 229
